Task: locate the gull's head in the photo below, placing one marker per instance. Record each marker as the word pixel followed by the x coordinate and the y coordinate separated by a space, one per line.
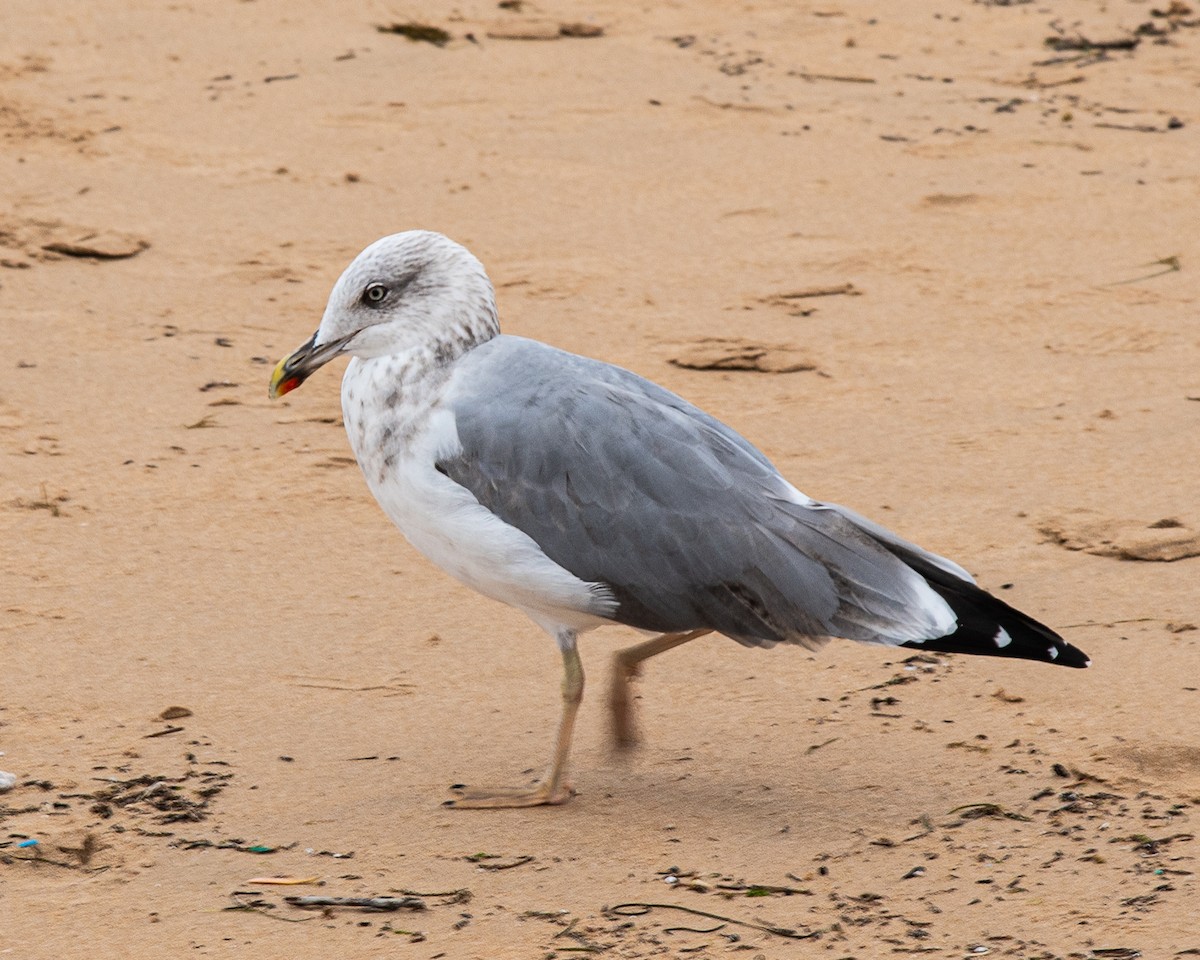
pixel 410 291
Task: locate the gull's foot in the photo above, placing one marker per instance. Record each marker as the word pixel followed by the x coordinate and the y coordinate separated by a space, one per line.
pixel 625 733
pixel 499 798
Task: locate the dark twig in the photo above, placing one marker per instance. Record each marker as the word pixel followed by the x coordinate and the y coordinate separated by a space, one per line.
pixel 265 908
pixel 974 811
pixel 762 889
pixel 1170 265
pixel 462 895
pixel 381 904
pixel 839 290
pixel 641 909
pixel 1080 42
pixel 38 858
pixel 479 859
pixel 162 733
pixel 1109 623
pixel 836 77
pixel 417 32
pixel 1134 127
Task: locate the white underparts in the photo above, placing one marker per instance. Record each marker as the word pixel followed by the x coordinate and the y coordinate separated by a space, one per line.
pixel 444 520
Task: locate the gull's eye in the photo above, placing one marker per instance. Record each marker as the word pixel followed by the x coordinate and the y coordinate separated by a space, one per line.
pixel 374 294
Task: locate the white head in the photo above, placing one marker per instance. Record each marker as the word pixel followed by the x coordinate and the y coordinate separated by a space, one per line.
pixel 410 291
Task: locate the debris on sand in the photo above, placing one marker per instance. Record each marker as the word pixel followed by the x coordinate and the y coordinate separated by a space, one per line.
pixel 97 245
pixel 1163 540
pixel 417 32
pixel 363 903
pixel 734 353
pixel 543 30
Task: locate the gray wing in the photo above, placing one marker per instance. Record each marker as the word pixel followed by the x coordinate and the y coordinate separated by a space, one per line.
pixel 624 483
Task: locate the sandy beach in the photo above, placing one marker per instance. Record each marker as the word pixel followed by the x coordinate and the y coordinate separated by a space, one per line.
pixel 939 261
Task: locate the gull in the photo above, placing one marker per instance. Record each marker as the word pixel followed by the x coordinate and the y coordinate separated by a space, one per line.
pixel 585 495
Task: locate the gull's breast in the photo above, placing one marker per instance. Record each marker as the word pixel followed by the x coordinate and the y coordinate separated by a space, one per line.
pixel 398 441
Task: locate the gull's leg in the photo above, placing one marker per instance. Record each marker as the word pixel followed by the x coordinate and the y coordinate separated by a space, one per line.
pixel 626 666
pixel 551 789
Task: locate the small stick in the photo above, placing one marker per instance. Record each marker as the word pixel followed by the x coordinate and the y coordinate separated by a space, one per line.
pixel 1171 264
pixel 841 290
pixel 162 733
pixel 462 895
pixel 519 862
pixel 973 811
pixel 841 78
pixel 1061 43
pixel 264 908
pixel 1109 623
pixel 366 903
pixel 1034 82
pixel 37 858
pixel 765 888
pixel 641 909
pixel 1134 127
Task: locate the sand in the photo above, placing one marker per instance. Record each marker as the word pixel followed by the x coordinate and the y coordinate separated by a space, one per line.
pixel 1002 367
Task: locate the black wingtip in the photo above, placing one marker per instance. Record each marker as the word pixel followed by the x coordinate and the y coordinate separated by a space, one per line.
pixel 1077 658
pixel 1022 637
pixel 989 627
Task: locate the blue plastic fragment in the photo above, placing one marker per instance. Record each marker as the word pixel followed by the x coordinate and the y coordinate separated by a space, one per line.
pixel 27 843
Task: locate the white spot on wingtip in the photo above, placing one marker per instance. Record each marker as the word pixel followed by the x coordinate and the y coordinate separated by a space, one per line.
pixel 1054 653
pixel 1002 638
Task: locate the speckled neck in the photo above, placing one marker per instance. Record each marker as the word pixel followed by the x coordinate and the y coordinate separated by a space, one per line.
pixel 387 403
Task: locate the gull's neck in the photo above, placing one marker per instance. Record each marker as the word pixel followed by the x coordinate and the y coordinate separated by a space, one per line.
pixel 387 401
